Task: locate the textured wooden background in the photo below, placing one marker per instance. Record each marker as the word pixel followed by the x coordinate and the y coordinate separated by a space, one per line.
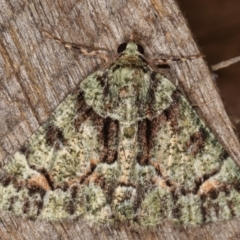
pixel 216 27
pixel 37 74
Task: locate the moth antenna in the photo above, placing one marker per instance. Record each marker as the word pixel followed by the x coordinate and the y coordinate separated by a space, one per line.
pixel 83 49
pixel 167 61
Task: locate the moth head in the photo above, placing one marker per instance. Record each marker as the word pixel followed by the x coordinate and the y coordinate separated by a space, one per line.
pixel 130 49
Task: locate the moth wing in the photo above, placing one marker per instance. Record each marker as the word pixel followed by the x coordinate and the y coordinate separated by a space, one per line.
pixel 196 180
pixel 50 176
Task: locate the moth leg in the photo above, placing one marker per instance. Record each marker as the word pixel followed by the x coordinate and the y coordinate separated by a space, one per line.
pixel 82 49
pixel 204 104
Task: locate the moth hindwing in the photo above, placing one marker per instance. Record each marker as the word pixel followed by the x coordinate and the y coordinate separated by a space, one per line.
pixel 126 146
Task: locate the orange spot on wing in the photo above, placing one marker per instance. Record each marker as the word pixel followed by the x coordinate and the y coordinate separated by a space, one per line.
pixel 39 181
pixel 208 186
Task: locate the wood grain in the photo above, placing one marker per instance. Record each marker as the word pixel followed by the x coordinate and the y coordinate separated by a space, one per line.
pixel 37 74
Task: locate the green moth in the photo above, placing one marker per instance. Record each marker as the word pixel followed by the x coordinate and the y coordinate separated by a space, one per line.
pixel 124 147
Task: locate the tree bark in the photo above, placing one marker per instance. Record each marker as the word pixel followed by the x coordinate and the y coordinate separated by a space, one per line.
pixel 37 74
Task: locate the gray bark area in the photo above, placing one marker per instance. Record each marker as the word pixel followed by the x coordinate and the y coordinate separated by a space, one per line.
pixel 38 73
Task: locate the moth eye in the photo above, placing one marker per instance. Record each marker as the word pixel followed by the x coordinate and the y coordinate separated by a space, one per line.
pixel 121 47
pixel 140 49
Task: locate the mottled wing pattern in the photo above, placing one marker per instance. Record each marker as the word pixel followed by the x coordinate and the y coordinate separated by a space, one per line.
pixel 126 146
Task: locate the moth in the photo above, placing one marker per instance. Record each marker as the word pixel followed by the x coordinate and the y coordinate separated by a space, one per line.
pixel 124 147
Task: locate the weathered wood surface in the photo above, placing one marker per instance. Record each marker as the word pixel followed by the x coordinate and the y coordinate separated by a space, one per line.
pixel 37 74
